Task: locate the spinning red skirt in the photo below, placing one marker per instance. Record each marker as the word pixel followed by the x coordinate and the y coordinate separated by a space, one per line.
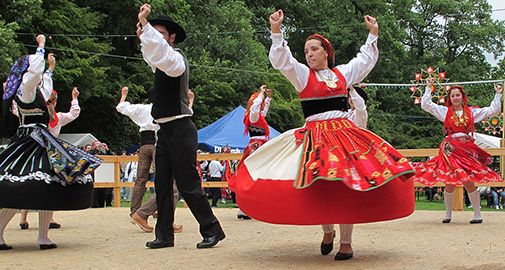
pixel 326 172
pixel 459 160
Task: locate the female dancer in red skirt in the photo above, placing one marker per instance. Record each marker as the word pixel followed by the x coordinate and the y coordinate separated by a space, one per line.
pixel 256 127
pixel 460 162
pixel 317 174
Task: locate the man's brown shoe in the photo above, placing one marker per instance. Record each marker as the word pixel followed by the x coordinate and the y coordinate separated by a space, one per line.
pixel 142 223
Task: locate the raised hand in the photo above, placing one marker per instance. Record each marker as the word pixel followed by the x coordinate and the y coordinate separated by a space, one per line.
pixel 144 12
pixel 75 93
pixel 276 20
pixel 124 93
pixel 372 25
pixel 269 92
pixel 41 40
pixel 429 82
pixel 51 62
pixel 263 88
pixel 498 88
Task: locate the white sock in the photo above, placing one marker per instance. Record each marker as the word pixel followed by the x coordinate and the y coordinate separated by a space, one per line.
pixel 44 220
pixel 6 214
pixel 240 213
pixel 475 200
pixel 328 228
pixel 448 198
pixel 346 233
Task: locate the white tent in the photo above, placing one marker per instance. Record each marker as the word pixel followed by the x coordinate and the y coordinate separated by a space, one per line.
pixel 78 139
pixel 487 141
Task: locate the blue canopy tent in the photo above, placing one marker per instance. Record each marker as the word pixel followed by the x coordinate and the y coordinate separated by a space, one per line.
pixel 227 130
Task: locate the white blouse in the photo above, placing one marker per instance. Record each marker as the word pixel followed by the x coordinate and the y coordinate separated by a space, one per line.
pixel 359 116
pixel 254 113
pixel 34 78
pixel 140 114
pixel 159 54
pixel 440 111
pixel 298 74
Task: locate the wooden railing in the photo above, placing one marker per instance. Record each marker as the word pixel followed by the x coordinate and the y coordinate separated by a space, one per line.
pixel 116 183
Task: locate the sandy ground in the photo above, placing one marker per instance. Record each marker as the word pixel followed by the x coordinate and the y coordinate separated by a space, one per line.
pixel 105 239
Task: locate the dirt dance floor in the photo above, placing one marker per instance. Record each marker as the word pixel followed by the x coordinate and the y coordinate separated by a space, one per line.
pixel 105 239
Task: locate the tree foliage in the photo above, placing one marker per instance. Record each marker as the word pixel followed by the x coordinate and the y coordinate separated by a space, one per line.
pixel 227 49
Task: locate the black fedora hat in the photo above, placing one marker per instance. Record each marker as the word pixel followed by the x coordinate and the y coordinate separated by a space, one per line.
pixel 171 25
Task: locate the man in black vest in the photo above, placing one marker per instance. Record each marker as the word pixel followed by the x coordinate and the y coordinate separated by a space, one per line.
pixel 177 137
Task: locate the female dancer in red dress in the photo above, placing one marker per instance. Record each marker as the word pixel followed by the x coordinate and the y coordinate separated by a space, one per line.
pixel 317 174
pixel 460 162
pixel 255 126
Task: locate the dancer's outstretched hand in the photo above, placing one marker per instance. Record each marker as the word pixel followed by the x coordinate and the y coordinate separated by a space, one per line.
pixel 41 40
pixel 124 93
pixel 276 20
pixel 498 88
pixel 51 62
pixel 269 92
pixel 263 88
pixel 429 82
pixel 144 12
pixel 75 93
pixel 372 25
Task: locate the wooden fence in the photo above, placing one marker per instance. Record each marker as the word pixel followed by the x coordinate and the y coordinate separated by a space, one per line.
pixel 116 183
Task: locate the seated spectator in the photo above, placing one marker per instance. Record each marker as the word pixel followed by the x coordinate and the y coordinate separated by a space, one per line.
pixel 497 193
pixel 485 194
pixel 429 192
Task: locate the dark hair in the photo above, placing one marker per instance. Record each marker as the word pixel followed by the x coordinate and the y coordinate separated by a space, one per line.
pixel 326 44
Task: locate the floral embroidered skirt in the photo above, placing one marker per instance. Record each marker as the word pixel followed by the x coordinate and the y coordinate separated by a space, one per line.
pixel 459 160
pixel 39 171
pixel 324 173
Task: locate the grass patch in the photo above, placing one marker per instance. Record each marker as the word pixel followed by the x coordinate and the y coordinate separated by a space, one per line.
pixel 421 203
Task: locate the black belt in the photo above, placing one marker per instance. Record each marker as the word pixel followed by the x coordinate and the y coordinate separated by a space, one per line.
pixel 147 137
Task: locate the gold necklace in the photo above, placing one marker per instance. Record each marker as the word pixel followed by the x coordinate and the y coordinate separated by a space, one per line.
pixel 460 120
pixel 326 78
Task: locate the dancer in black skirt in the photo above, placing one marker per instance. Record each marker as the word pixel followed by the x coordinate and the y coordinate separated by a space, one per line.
pixel 37 170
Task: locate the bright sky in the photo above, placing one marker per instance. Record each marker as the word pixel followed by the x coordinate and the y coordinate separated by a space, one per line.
pixel 497 15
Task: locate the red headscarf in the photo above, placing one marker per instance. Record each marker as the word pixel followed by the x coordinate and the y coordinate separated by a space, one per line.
pixel 327 46
pixel 450 124
pixel 51 106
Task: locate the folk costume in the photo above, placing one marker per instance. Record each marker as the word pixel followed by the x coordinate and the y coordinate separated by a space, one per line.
pixel 258 130
pixel 255 124
pixel 140 114
pixel 177 137
pixel 459 159
pixel 317 174
pixel 37 170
